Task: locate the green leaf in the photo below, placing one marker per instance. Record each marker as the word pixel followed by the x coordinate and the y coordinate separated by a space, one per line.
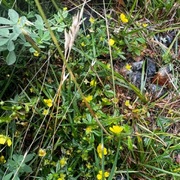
pixel 11 58
pixel 3 41
pixel 13 15
pixel 141 40
pixel 39 22
pixel 4 32
pixel 8 176
pixel 29 157
pixel 10 46
pixel 5 119
pixel 137 52
pixel 130 145
pixel 16 32
pixel 27 169
pixel 5 21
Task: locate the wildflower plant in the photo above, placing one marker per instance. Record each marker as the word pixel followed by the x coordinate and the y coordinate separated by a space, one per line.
pixel 66 112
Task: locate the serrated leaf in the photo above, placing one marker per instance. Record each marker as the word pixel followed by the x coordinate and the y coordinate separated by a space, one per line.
pixel 5 21
pixel 10 46
pixel 11 58
pixel 13 15
pixel 3 41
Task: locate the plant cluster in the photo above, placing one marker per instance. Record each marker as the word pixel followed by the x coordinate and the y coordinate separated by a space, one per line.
pixel 67 113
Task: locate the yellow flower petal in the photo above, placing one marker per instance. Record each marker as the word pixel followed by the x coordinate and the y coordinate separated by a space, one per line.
pixel 93 83
pixel 9 142
pixel 88 129
pixel 99 176
pixel 45 112
pixel 48 102
pixel 127 103
pixel 91 20
pixel 106 174
pixel 2 159
pixel 101 150
pixel 116 129
pixel 41 152
pixel 144 25
pixel 123 18
pixel 128 67
pixel 88 98
pixel 83 44
pixel 111 42
pixel 63 162
pixel 36 53
pixel 2 139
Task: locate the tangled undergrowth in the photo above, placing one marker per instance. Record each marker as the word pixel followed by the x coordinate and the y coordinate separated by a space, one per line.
pixel 90 90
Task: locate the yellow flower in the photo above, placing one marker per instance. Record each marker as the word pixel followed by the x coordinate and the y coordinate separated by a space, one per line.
pixel 88 98
pixel 31 90
pixel 128 67
pixel 9 142
pixel 65 9
pixel 48 102
pixel 116 129
pixel 101 150
pixel 45 112
pixel 101 38
pixel 100 175
pixel 2 159
pixel 144 25
pixel 91 20
pixel 5 140
pixel 41 152
pixel 83 44
pixel 36 53
pixel 123 18
pixel 62 177
pixel 108 66
pixel 2 139
pixel 93 83
pixel 88 129
pixel 89 166
pixel 127 103
pixel 111 42
pixel 63 162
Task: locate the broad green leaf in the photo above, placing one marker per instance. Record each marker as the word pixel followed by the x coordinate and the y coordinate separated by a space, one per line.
pixel 16 32
pixel 4 32
pixel 3 48
pixel 27 169
pixel 13 15
pixel 46 36
pixel 10 46
pixel 3 41
pixel 11 58
pixel 5 21
pixel 29 157
pixel 8 176
pixel 39 22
